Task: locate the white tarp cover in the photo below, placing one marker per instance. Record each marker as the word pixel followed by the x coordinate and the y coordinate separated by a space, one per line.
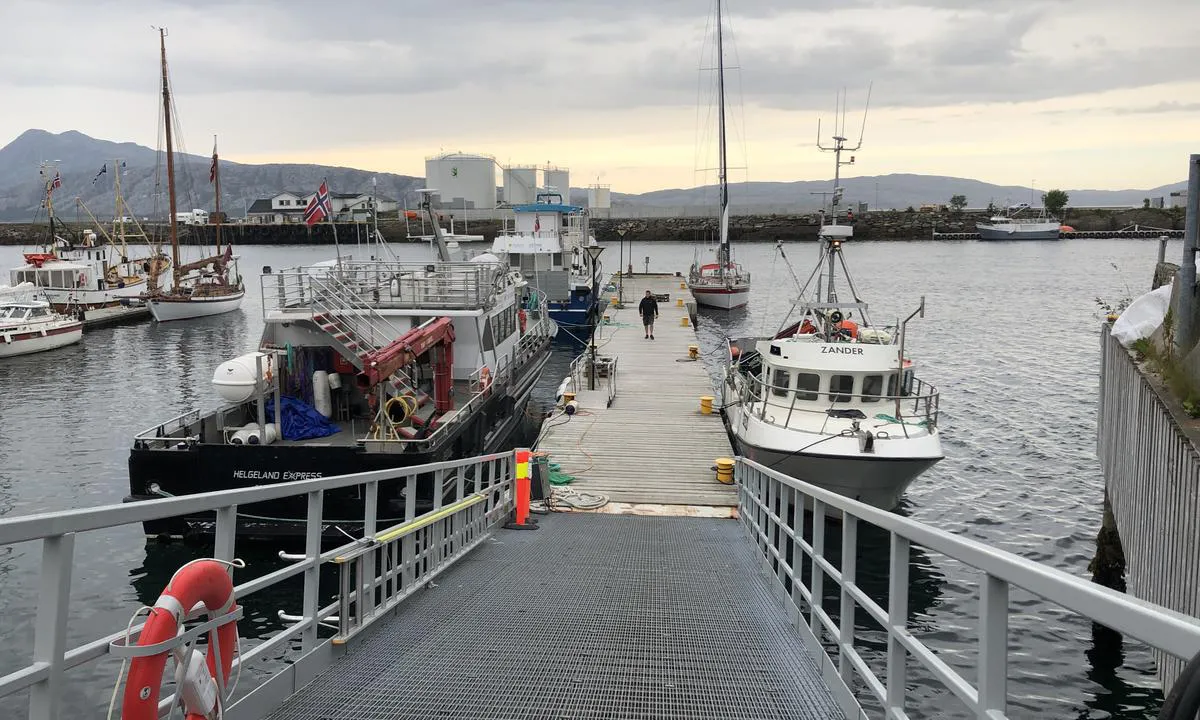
pixel 1143 316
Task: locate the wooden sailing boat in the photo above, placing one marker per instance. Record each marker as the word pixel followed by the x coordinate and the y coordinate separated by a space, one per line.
pixel 210 286
pixel 722 284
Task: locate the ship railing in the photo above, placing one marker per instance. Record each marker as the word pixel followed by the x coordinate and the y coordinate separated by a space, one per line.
pixel 390 564
pixel 166 432
pixel 393 285
pixel 815 574
pixel 917 402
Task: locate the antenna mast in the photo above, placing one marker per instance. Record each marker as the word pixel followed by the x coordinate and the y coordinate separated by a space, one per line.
pixel 839 145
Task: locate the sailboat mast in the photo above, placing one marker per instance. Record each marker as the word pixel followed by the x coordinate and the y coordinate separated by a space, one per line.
pixel 118 216
pixel 723 255
pixel 217 181
pixel 162 39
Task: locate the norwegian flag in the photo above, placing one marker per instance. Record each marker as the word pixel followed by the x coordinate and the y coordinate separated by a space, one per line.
pixel 318 208
pixel 537 223
pixel 212 169
pixel 56 182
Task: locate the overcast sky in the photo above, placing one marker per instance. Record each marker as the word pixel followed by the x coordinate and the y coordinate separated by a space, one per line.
pixel 1058 93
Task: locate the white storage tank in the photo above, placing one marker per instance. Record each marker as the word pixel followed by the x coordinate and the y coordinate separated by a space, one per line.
pixel 520 185
pixel 599 197
pixel 462 178
pixel 235 380
pixel 558 180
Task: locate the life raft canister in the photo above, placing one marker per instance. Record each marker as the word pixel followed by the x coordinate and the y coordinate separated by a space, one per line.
pixel 206 582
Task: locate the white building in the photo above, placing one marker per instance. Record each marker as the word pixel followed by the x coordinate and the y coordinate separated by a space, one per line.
pixel 289 206
pixel 462 180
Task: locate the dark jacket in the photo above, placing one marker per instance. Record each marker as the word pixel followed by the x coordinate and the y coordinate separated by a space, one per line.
pixel 648 307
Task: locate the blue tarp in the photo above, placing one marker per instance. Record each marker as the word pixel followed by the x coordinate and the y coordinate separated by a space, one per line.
pixel 299 420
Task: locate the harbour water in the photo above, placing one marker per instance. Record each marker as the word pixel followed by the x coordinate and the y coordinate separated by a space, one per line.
pixel 1010 337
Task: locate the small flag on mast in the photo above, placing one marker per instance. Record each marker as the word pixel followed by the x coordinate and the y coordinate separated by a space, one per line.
pixel 212 170
pixel 57 182
pixel 318 208
pixel 537 223
pixel 103 170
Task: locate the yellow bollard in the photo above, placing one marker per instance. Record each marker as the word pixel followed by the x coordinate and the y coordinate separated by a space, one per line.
pixel 614 301
pixel 568 397
pixel 693 351
pixel 706 404
pixel 678 302
pixel 683 286
pixel 725 470
pixel 683 321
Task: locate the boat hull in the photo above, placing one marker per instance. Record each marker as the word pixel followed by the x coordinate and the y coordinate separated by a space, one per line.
pixel 27 343
pixel 1048 232
pixel 721 297
pixel 877 481
pixel 168 310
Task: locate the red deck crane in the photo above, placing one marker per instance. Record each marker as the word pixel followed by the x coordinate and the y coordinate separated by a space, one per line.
pixel 436 335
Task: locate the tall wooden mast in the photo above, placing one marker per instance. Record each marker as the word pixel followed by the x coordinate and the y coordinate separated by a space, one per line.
pixel 162 39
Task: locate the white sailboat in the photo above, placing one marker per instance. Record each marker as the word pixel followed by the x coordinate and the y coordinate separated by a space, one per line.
pixel 723 284
pixel 210 286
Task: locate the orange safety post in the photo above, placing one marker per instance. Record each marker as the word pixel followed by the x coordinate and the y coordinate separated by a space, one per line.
pixel 521 492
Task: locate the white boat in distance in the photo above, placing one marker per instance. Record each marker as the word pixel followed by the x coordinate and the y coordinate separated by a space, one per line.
pixel 1012 226
pixel 28 325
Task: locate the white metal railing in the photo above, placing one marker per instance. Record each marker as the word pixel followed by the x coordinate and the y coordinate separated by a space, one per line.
pixel 772 507
pixel 579 374
pixel 479 497
pixel 433 286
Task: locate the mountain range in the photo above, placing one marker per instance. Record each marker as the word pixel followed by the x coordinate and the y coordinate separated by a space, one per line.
pixel 79 158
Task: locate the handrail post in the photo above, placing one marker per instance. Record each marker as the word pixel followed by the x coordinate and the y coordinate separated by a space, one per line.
pixel 993 647
pixel 50 630
pixel 225 534
pixel 897 656
pixel 846 611
pixel 312 575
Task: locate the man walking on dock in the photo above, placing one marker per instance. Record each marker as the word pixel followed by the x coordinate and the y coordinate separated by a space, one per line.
pixel 648 307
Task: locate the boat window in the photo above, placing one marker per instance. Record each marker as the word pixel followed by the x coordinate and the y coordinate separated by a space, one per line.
pixel 807 385
pixel 841 387
pixel 906 388
pixel 514 259
pixel 891 385
pixel 872 388
pixel 39 312
pixel 780 383
pixel 556 259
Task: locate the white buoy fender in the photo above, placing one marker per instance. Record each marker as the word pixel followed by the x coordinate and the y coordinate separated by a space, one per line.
pixel 235 381
pixel 322 400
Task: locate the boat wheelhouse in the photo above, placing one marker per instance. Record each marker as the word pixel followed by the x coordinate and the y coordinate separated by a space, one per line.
pixel 547 243
pixel 30 326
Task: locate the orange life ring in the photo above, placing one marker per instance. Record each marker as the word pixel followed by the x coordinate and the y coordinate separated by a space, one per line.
pixel 485 378
pixel 202 581
pixel 522 318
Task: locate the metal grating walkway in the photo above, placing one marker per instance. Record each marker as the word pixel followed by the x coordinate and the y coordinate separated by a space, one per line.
pixel 590 616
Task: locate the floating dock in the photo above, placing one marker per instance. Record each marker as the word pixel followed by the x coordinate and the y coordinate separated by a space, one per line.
pixel 640 437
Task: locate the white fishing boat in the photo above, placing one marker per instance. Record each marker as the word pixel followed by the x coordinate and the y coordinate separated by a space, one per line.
pixel 1020 222
pixel 722 284
pixel 29 325
pixel 211 285
pixel 832 399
